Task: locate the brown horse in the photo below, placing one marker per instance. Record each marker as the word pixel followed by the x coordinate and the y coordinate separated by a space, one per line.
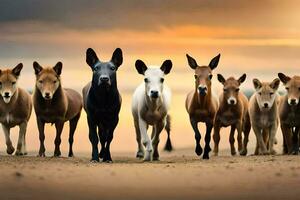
pixel 201 104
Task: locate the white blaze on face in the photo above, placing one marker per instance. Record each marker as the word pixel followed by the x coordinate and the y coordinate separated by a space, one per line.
pixel 154 81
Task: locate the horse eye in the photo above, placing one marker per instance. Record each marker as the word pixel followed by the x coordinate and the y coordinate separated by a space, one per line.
pixel 112 68
pixel 0 83
pixel 271 93
pixel 195 76
pixel 13 83
pixel 210 76
pixel 40 82
pixel 162 80
pixel 287 88
pixel 259 93
pixel 225 90
pixel 95 68
pixel 146 80
pixel 54 82
pixel 238 89
pixel 299 88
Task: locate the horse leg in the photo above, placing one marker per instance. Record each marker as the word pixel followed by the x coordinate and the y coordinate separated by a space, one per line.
pixel 232 140
pixel 246 131
pixel 59 127
pixel 20 147
pixel 239 128
pixel 168 146
pixel 216 137
pixel 10 149
pixel 41 127
pixel 207 138
pixel 94 140
pixel 295 142
pixel 145 140
pixel 73 124
pixel 140 152
pixel 287 138
pixel 262 149
pixel 109 134
pixel 155 139
pixel 101 135
pixel 272 132
pixel 198 148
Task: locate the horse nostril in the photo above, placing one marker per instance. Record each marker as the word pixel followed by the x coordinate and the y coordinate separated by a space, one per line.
pixel 232 101
pixel 154 94
pixel 47 94
pixel 266 105
pixel 104 79
pixel 293 101
pixel 6 94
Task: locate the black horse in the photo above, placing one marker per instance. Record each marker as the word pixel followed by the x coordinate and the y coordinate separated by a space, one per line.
pixel 102 102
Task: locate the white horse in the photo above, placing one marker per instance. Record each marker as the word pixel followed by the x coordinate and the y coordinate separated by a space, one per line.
pixel 150 105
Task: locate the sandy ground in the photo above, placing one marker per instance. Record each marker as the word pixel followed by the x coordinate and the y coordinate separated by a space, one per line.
pixel 179 175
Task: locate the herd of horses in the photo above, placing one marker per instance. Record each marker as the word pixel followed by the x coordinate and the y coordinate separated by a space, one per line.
pixel 264 112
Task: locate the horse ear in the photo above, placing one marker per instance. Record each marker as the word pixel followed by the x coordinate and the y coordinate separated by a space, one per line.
pixel 214 62
pixel 221 78
pixel 242 78
pixel 166 66
pixel 284 79
pixel 37 68
pixel 257 84
pixel 275 84
pixel 17 69
pixel 91 57
pixel 58 68
pixel 140 67
pixel 192 62
pixel 117 57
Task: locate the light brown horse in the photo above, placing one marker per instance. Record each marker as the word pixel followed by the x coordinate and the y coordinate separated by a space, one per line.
pixel 233 111
pixel 201 104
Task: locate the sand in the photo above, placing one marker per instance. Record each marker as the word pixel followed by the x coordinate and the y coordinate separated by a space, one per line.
pixel 179 175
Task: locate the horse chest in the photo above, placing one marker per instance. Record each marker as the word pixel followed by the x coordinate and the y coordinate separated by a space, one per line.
pixel 228 118
pixel 265 120
pixel 8 118
pixel 152 117
pixel 293 119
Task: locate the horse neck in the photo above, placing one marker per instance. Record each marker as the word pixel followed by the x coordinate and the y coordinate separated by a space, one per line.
pixel 104 96
pixel 153 105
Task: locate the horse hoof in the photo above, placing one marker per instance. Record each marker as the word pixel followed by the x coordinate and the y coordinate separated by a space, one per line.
pixel 233 153
pixel 205 156
pixel 10 150
pixel 198 150
pixel 140 154
pixel 94 161
pixel 155 158
pixel 41 155
pixel 18 153
pixel 243 153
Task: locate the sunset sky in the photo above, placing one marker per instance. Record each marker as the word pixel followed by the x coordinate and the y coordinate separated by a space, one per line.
pixel 258 37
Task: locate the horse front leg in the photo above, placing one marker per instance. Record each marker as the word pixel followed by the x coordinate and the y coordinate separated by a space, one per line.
pixel 10 149
pixel 94 140
pixel 207 138
pixel 145 140
pixel 21 150
pixel 109 134
pixel 155 139
pixel 295 141
pixel 59 127
pixel 102 142
pixel 198 148
pixel 216 137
